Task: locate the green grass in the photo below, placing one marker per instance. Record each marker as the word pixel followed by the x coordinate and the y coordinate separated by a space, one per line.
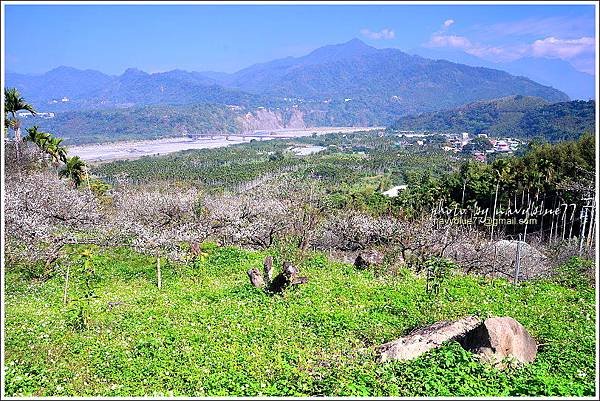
pixel 209 333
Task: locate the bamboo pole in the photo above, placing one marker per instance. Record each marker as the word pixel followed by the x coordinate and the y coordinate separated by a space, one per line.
pixel 572 219
pixel 527 216
pixel 494 212
pixel 590 237
pixel 66 284
pixel 518 260
pixel 564 221
pixel 582 229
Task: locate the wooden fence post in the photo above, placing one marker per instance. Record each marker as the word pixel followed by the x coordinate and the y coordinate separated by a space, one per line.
pixel 158 276
pixel 66 284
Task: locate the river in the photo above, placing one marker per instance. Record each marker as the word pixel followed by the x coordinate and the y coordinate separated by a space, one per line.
pixel 109 151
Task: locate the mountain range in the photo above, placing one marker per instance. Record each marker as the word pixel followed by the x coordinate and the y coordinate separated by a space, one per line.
pixel 349 83
pixel 553 72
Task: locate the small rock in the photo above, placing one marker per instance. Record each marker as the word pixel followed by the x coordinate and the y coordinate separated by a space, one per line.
pixel 501 337
pixel 113 304
pixel 368 258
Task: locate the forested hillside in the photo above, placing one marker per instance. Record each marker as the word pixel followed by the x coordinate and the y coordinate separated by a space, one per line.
pixel 523 117
pixel 159 121
pixel 515 116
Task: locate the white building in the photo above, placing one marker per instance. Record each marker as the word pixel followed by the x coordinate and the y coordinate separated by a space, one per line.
pixel 26 114
pixel 502 146
pixel 393 192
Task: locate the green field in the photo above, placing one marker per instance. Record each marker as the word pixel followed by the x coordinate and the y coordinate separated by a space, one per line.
pixel 208 332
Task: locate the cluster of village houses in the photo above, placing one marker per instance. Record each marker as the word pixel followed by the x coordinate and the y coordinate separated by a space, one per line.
pixel 499 145
pixel 456 143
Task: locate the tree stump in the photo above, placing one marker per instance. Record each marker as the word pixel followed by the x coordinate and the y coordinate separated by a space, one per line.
pixel 289 270
pixel 268 266
pixel 256 278
pixel 299 280
pixel 288 276
pixel 367 259
pixel 195 248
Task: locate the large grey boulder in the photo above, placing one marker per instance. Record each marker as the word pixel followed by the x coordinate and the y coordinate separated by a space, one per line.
pixel 501 337
pixel 498 258
pixel 533 262
pixel 426 338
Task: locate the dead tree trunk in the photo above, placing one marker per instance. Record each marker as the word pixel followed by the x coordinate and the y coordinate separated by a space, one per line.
pixel 288 276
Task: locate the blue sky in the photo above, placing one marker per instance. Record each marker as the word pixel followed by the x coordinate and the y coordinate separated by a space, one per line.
pixel 111 38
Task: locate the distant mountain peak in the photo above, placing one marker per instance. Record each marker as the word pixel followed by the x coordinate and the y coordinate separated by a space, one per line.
pixel 63 68
pixel 134 71
pixel 351 45
pixel 356 43
pixel 353 48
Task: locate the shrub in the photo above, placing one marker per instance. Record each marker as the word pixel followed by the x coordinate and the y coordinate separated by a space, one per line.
pixel 438 271
pixel 575 273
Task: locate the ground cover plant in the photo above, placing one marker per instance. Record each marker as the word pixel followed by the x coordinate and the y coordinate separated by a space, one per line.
pixel 208 332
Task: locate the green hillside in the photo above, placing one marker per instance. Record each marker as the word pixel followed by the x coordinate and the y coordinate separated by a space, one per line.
pixel 513 116
pixel 208 332
pixel 148 122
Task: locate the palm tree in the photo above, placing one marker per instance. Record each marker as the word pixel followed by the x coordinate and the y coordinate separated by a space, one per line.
pixel 14 102
pixel 37 137
pixel 56 151
pixel 75 170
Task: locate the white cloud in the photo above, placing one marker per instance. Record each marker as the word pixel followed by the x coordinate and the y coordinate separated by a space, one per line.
pixel 476 49
pixel 499 53
pixel 579 52
pixel 459 42
pixel 585 64
pixel 383 34
pixel 557 26
pixel 563 48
